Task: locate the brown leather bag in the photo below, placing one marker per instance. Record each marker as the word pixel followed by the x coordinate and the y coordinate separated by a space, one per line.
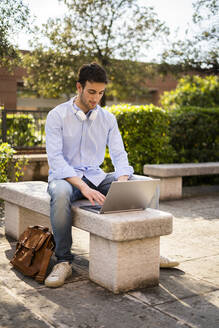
pixel 33 252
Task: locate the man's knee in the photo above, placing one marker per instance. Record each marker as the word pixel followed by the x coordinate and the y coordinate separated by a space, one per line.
pixel 60 189
pixel 106 183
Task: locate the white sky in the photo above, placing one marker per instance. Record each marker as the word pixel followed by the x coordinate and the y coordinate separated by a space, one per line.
pixel 176 13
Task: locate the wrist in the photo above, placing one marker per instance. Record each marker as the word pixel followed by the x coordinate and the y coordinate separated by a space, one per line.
pixel 123 178
pixel 78 183
pixel 83 186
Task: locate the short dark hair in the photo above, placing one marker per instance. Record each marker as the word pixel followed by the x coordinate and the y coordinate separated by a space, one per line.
pixel 92 73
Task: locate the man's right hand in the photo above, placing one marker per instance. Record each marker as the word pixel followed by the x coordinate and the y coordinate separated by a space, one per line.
pixel 91 194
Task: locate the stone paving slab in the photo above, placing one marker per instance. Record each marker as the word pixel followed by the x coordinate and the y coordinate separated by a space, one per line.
pixel 195 228
pixel 196 311
pixel 76 304
pixel 84 304
pixel 174 285
pixel 192 238
pixel 187 206
pixel 205 268
pixel 208 213
pixel 14 314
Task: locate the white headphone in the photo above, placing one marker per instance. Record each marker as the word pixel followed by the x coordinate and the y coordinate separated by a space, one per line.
pixel 81 116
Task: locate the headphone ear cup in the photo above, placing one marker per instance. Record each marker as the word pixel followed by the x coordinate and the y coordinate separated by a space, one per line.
pixel 81 116
pixel 93 115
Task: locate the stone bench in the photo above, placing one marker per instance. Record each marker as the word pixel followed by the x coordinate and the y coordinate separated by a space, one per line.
pixel 36 169
pixel 170 176
pixel 124 247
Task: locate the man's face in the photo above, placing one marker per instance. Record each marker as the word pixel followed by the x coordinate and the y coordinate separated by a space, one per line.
pixel 90 95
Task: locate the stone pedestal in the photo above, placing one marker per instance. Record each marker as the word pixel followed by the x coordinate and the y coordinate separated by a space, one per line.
pixel 170 188
pixel 123 266
pixel 18 218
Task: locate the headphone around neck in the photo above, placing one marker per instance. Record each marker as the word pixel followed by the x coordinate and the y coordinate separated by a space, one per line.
pixel 81 116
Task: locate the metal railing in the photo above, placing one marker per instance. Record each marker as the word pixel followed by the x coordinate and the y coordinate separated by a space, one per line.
pixel 23 129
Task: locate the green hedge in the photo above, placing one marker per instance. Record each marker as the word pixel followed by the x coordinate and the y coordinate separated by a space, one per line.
pixel 194 134
pixel 145 132
pixel 153 136
pixel 22 130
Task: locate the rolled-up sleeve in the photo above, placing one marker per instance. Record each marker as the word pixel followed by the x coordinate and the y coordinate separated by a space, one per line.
pixel 117 151
pixel 58 166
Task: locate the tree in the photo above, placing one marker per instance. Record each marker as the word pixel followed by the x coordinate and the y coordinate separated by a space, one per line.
pixel 13 17
pixel 193 91
pixel 199 52
pixel 109 32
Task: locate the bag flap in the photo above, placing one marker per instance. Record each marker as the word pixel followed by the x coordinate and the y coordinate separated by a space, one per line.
pixel 34 238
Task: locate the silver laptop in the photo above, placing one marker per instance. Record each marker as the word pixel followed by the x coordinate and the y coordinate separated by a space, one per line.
pixel 132 195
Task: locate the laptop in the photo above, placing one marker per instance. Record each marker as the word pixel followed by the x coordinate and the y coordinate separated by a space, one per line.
pixel 126 196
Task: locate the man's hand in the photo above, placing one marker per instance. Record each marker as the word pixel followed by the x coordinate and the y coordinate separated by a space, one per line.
pixel 91 194
pixel 123 178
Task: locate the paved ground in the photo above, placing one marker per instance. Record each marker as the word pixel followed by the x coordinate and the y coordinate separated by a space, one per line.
pixel 186 297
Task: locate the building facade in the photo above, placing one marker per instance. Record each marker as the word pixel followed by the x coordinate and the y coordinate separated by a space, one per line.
pixel 11 83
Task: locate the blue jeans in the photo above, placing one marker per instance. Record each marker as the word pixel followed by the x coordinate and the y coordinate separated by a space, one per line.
pixel 63 194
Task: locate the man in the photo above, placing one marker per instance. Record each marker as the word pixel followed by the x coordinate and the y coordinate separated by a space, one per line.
pixel 77 133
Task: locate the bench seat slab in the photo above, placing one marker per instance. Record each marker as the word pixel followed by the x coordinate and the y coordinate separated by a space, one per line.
pixel 170 175
pixel 181 169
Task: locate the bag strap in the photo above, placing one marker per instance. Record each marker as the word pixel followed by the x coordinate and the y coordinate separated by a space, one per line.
pixel 48 251
pixel 44 265
pixel 41 241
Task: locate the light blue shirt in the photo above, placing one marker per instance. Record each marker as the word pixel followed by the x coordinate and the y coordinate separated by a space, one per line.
pixel 77 148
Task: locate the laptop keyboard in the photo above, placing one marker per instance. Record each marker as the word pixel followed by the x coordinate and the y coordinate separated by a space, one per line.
pixel 94 207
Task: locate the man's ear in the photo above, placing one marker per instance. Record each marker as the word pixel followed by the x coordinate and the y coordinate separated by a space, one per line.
pixel 79 87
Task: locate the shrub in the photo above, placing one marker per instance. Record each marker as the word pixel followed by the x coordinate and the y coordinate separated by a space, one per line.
pixel 24 130
pixel 9 166
pixel 193 91
pixel 194 134
pixel 144 130
pixel 21 130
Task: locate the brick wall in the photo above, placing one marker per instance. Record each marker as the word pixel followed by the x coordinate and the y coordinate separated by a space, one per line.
pixel 159 84
pixel 8 87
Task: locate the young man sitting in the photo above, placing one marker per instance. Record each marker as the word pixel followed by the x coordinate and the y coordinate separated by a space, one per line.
pixel 77 133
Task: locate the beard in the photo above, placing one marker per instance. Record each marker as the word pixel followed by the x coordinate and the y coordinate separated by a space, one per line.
pixel 86 104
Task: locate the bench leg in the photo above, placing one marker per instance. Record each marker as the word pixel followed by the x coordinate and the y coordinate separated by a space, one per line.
pixel 18 218
pixel 170 188
pixel 123 266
